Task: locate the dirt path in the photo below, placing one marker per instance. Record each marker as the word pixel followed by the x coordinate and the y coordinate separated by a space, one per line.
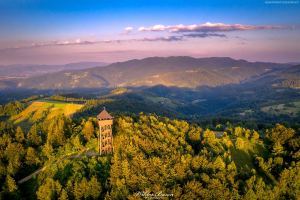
pixel 88 153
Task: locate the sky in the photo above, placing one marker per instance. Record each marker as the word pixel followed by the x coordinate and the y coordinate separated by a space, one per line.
pixel 61 31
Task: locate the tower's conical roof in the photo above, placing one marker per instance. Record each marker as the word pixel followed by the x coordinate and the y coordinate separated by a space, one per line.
pixel 104 115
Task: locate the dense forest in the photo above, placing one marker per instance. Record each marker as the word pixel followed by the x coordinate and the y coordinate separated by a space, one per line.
pixel 91 108
pixel 236 101
pixel 154 155
pixel 290 83
pixel 72 97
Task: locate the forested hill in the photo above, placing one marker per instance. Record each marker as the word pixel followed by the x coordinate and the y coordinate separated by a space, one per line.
pixel 288 77
pixel 91 108
pixel 152 155
pixel 172 71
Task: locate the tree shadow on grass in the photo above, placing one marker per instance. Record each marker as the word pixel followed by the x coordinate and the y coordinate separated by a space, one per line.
pixel 241 159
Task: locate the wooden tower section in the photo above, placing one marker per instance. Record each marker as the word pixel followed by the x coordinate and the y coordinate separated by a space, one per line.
pixel 105 140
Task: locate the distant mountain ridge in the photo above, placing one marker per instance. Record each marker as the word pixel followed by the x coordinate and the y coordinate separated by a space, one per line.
pixel 20 70
pixel 181 71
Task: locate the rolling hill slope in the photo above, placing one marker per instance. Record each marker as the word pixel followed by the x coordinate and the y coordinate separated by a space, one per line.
pixel 175 71
pixel 39 110
pixel 288 77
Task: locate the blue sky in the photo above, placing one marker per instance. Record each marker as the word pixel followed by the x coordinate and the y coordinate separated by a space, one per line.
pixel 28 29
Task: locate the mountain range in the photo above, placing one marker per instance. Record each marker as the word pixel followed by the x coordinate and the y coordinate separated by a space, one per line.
pixel 181 71
pixel 29 70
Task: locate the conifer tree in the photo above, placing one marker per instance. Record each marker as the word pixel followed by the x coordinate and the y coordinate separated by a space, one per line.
pixel 278 149
pixel 10 184
pixel 32 157
pixel 238 131
pixel 77 143
pixel 47 150
pixel 19 135
pixel 88 130
pixel 63 195
pixel 255 135
pixel 33 139
pixel 239 144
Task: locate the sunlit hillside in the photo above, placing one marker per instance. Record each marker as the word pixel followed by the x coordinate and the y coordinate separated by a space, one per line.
pixel 39 110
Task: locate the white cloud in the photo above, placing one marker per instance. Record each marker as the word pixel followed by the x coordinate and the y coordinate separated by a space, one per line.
pixel 154 28
pixel 208 27
pixel 128 29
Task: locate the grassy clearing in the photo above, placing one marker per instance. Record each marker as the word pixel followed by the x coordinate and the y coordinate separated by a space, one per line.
pixel 55 105
pixel 71 109
pixel 281 109
pixel 28 112
pixel 246 111
pixel 39 110
pixel 243 158
pixel 157 99
pixel 166 101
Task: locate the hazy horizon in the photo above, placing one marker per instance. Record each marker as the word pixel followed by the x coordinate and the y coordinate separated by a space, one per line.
pixel 55 32
pixel 145 58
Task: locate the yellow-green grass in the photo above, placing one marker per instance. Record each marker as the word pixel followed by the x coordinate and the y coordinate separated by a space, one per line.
pixel 281 109
pixel 243 158
pixel 32 114
pixel 246 111
pixel 71 109
pixel 39 110
pixel 30 110
pixel 167 101
pixel 55 105
pixel 157 99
